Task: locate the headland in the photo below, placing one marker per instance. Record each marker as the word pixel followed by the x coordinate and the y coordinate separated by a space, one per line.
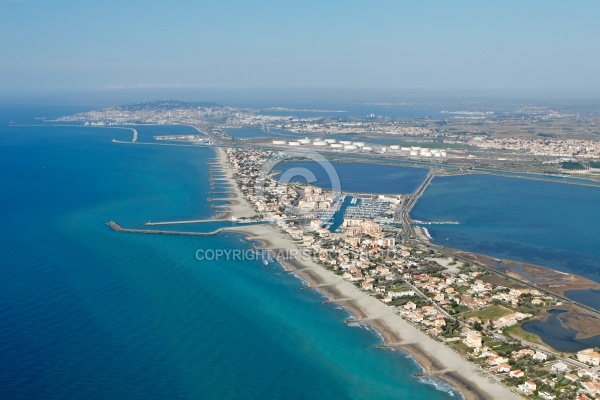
pixel 463 313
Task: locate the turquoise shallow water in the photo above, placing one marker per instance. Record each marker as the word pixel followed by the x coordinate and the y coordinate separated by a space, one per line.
pixel 90 313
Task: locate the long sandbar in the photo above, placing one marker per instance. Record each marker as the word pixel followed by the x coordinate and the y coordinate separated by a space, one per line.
pixel 238 206
pixel 436 359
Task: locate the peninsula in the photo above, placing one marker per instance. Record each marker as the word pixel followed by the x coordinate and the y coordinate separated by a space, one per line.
pixel 454 312
pixel 457 316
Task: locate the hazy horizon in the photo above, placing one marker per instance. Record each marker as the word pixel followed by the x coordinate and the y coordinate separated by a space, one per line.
pixel 283 97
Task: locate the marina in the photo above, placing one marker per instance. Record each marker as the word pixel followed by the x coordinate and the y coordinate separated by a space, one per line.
pixel 300 200
pixel 370 207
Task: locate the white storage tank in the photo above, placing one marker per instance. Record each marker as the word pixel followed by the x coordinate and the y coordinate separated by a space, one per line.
pixel 279 142
pixel 294 143
pixel 350 147
pixel 305 141
pixel 320 143
pixel 414 153
pixel 405 148
pixel 337 145
pixel 437 154
pixel 443 153
pixel 417 148
pixel 345 142
pixel 359 144
pixel 367 148
pixel 331 140
pixel 395 147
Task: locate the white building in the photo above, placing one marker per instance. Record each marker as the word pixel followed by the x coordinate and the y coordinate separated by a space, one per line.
pixel 559 367
pixel 589 356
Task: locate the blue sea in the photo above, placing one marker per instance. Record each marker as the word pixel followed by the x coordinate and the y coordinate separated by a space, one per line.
pixel 90 313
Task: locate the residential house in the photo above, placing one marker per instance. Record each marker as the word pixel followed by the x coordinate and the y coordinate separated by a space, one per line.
pixel 546 395
pixel 559 368
pixel 517 355
pixel 496 360
pixel 472 338
pixel 500 368
pixel 528 387
pixel 589 356
pixel 516 373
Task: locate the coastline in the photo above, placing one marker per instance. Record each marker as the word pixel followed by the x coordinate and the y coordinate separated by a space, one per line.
pixel 437 360
pixel 238 206
pixel 583 318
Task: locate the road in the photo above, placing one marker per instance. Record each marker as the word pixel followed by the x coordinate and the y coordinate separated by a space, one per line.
pixel 410 235
pixel 409 203
pixel 433 303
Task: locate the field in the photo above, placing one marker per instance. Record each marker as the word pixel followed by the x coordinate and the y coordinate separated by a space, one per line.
pixel 489 313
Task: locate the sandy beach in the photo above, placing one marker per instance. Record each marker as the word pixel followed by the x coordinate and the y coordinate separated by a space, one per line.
pixel 436 359
pixel 238 206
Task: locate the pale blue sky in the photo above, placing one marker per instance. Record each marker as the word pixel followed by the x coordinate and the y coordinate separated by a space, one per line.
pixel 508 47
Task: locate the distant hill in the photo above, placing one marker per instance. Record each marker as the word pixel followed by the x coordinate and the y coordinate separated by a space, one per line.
pixel 165 105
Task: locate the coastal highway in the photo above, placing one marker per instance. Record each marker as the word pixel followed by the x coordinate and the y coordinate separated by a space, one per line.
pixel 405 220
pixel 460 256
pixel 449 166
pixel 545 350
pixel 403 214
pixel 411 236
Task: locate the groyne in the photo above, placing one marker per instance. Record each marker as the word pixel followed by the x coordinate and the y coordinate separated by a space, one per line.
pixel 118 228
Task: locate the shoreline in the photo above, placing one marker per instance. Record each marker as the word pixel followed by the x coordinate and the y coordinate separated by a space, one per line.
pixel 583 318
pixel 436 360
pixel 238 206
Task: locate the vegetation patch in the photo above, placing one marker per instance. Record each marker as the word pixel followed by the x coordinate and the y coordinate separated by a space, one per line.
pixel 518 332
pixel 490 313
